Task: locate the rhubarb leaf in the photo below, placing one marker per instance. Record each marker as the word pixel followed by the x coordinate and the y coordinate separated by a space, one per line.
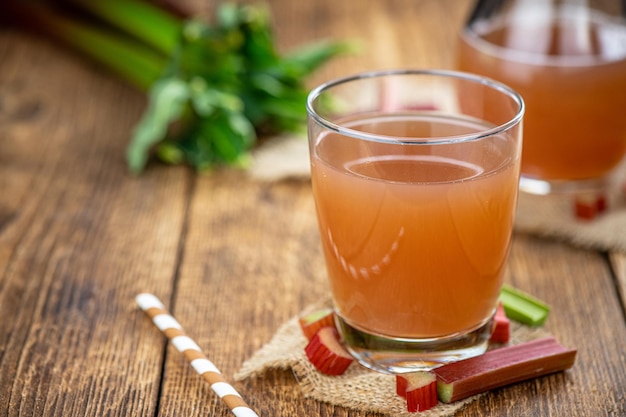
pixel 168 99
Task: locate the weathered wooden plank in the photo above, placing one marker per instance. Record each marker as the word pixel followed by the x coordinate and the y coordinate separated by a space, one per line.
pixel 618 261
pixel 252 261
pixel 79 238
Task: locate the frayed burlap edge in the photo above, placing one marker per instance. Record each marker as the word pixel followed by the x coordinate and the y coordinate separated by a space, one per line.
pixel 359 388
pixel 553 217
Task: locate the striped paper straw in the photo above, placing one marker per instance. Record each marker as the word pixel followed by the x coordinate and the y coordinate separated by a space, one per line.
pixel 170 327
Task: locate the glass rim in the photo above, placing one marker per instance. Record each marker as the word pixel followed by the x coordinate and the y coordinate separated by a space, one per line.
pixel 357 134
pixel 473 37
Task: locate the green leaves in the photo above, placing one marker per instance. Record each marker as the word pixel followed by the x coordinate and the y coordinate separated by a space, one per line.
pixel 225 83
pixel 168 99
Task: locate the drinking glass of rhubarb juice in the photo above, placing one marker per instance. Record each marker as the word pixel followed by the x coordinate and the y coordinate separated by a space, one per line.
pixel 415 177
pixel 567 58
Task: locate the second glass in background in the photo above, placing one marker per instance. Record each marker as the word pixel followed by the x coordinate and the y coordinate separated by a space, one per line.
pixel 568 61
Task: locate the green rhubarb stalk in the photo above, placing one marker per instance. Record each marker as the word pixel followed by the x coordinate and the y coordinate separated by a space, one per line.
pixel 148 23
pixel 523 307
pixel 136 63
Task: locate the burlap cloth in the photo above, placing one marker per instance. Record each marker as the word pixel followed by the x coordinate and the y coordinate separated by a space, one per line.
pixel 359 388
pixel 551 217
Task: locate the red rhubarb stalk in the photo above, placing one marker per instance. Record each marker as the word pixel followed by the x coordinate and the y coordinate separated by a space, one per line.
pixel 501 326
pixel 311 323
pixel 501 367
pixel 326 353
pixel 419 388
pixel 588 206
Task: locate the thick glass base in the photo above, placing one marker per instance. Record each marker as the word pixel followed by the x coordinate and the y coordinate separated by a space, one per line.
pixel 398 355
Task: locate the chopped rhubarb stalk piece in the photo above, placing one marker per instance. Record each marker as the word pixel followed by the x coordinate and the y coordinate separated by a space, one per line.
pixel 601 204
pixel 588 206
pixel 326 352
pixel 501 367
pixel 312 322
pixel 419 388
pixel 401 383
pixel 501 326
pixel 523 307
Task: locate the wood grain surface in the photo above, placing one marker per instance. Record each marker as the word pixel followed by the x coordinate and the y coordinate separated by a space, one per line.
pixel 233 258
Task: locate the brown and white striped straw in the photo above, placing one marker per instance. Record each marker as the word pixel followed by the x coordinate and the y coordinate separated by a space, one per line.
pixel 172 329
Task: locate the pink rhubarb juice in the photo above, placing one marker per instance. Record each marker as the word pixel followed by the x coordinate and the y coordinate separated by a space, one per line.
pixel 571 73
pixel 415 241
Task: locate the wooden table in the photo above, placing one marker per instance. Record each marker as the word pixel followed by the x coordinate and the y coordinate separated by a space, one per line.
pixel 233 257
